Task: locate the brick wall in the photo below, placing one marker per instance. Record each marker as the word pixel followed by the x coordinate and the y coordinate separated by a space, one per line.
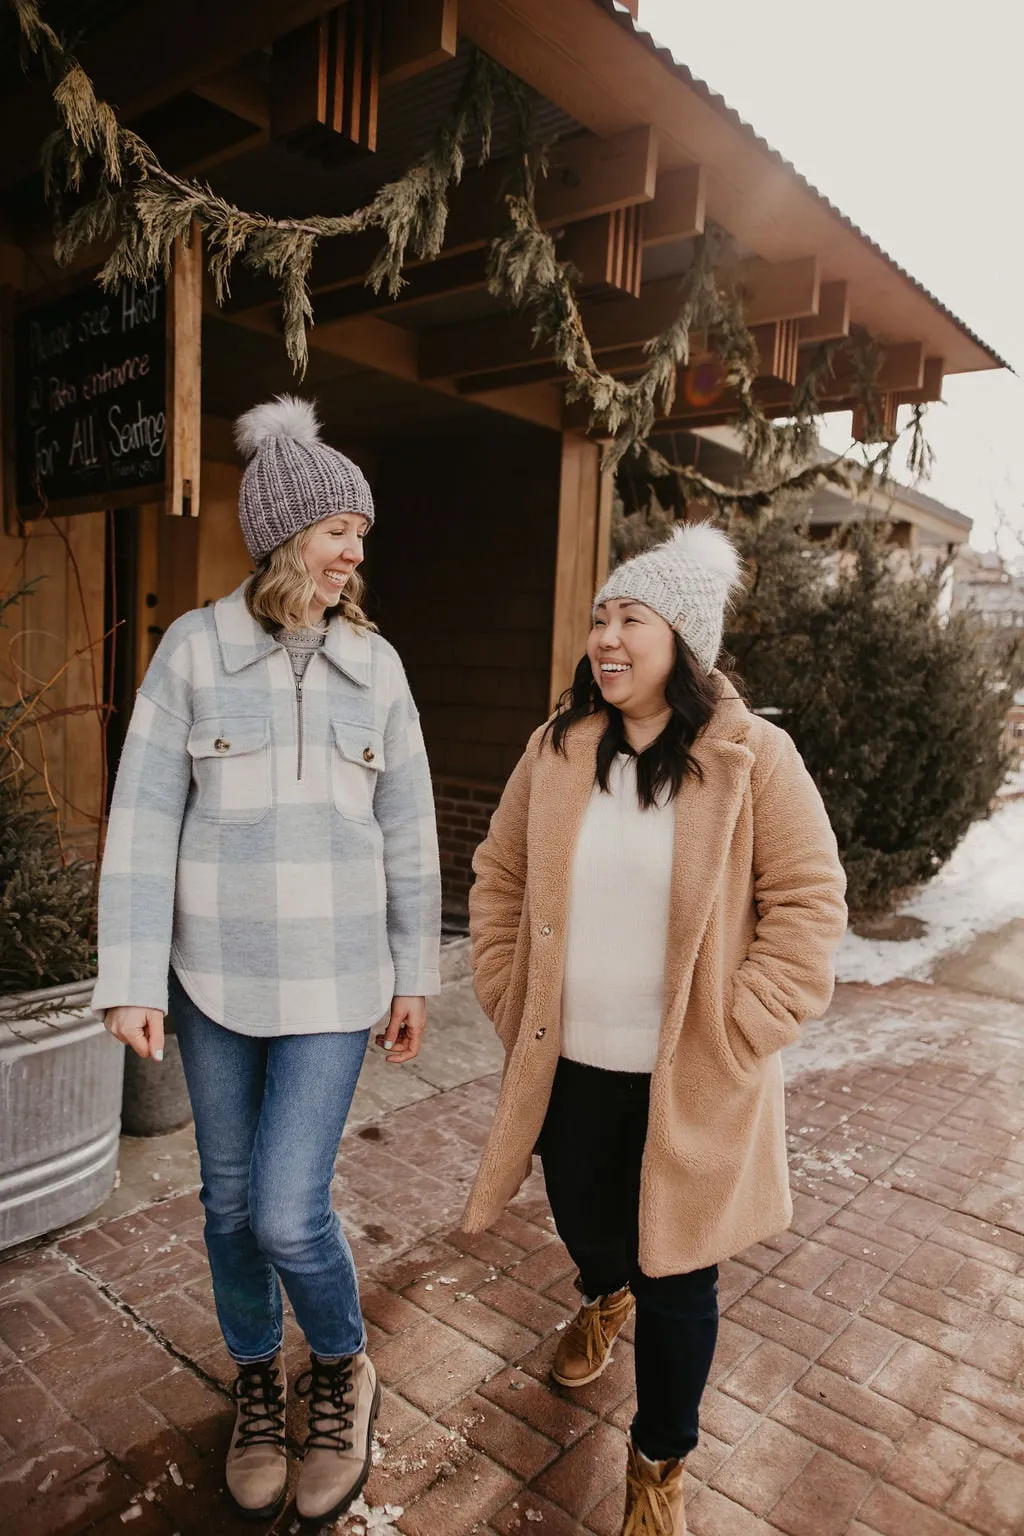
pixel 464 811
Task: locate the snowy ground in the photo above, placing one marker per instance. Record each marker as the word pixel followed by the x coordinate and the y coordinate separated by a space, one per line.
pixel 980 889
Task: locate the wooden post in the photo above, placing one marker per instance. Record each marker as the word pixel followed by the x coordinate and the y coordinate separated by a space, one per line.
pixel 581 555
pixel 184 377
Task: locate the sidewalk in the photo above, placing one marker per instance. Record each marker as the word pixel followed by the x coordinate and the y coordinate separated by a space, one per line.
pixel 869 1371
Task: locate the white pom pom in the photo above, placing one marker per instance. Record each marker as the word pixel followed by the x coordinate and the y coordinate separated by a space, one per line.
pixel 284 416
pixel 708 547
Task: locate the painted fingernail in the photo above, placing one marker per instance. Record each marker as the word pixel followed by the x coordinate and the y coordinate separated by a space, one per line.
pixel 158 1055
pixel 389 1045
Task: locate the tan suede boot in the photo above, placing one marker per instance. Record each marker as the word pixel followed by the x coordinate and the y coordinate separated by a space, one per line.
pixel 256 1472
pixel 654 1497
pixel 586 1346
pixel 344 1400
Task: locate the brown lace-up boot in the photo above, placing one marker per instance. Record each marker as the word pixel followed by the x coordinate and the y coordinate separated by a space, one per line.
pixel 586 1346
pixel 344 1400
pixel 654 1497
pixel 256 1471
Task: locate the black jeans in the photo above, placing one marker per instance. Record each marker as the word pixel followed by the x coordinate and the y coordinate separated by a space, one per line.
pixel 591 1147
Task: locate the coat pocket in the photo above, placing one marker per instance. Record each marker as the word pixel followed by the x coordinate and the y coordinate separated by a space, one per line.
pixel 754 1032
pixel 231 768
pixel 357 759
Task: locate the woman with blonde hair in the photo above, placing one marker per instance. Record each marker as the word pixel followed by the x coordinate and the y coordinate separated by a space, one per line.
pixel 655 912
pixel 271 875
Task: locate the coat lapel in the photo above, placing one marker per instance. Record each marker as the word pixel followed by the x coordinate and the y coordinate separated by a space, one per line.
pixel 561 792
pixel 707 810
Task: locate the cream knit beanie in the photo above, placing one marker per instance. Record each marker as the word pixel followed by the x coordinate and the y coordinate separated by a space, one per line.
pixel 688 580
pixel 293 478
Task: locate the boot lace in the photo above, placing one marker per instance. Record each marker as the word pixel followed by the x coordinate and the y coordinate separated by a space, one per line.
pixel 331 1404
pixel 260 1399
pixel 594 1326
pixel 652 1512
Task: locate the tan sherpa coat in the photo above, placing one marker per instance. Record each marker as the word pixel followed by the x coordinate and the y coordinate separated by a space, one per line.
pixel 757 912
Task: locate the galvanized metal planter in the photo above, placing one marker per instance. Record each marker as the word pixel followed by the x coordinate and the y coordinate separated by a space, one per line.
pixel 60 1110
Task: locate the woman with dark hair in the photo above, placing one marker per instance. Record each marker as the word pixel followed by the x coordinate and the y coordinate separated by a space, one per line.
pixel 656 908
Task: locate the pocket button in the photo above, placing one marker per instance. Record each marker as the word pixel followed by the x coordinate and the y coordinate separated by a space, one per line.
pixel 368 755
pixel 545 932
pixel 220 745
pixel 540 1033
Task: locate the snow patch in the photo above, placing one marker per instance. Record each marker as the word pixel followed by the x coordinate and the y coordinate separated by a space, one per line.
pixel 980 889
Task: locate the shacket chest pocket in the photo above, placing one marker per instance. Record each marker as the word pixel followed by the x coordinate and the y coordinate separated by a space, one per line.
pixel 231 768
pixel 357 758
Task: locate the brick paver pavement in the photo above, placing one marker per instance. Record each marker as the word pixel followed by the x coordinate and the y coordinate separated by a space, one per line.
pixel 868 1380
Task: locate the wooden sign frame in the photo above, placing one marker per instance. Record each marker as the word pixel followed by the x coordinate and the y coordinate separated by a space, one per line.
pixel 182 401
pixel 183 454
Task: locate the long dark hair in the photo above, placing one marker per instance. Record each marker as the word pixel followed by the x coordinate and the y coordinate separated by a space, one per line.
pixel 690 693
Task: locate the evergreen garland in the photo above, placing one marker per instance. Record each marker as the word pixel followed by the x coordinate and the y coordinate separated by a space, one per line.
pixel 144 208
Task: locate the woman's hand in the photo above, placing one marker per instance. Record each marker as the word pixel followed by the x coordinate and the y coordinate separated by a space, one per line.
pixel 141 1028
pixel 404 1034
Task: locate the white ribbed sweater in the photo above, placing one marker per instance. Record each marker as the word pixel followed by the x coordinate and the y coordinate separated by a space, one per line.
pixel 613 986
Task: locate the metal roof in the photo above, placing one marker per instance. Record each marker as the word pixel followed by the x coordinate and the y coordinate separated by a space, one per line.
pixel 721 107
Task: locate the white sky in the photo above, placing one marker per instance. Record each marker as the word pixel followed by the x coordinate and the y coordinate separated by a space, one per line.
pixel 909 115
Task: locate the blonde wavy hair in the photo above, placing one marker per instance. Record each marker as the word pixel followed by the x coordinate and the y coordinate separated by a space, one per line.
pixel 281 593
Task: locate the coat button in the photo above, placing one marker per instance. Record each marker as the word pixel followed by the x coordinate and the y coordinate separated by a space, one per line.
pixel 545 932
pixel 220 745
pixel 540 1033
pixel 368 754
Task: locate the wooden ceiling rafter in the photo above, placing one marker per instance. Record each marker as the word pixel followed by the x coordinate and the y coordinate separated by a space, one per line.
pixel 785 291
pixel 325 83
pixel 147 57
pixel 832 322
pixel 900 365
pixel 389 349
pixel 584 61
pixel 588 177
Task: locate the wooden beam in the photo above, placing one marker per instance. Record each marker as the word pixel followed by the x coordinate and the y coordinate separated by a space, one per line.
pixel 784 291
pixel 902 367
pixel 607 252
pixel 832 322
pixel 418 35
pixel 183 454
pixel 581 558
pixel 145 57
pixel 589 176
pixel 391 349
pixel 902 362
pixel 883 428
pixel 677 210
pixel 325 82
pixel 242 88
pixel 206 163
pixel 778 351
pixel 930 391
pixel 465 273
pixel 626 165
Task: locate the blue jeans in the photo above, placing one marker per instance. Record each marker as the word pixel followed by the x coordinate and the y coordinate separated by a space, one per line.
pixel 269 1116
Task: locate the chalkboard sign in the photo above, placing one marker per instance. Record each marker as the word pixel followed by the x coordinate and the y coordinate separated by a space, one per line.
pixel 90 397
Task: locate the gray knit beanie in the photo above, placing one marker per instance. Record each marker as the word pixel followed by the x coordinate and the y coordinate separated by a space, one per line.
pixel 688 580
pixel 293 478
